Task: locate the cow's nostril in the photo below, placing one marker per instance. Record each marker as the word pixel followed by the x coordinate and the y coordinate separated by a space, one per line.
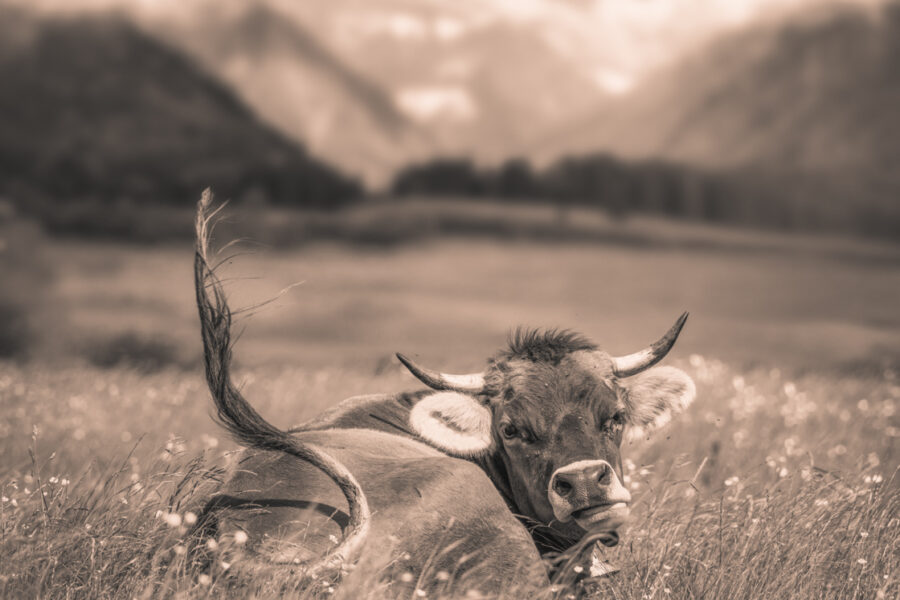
pixel 603 474
pixel 562 487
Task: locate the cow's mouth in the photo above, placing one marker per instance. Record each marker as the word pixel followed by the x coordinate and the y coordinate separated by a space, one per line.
pixel 608 516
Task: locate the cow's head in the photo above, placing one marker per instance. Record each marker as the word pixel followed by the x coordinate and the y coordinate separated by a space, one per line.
pixel 550 412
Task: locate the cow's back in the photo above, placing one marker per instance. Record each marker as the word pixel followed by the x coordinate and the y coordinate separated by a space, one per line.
pixel 431 514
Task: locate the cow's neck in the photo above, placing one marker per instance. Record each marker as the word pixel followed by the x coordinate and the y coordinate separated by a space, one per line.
pixel 493 466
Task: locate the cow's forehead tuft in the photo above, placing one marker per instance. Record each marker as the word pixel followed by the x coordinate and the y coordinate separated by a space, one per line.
pixel 547 346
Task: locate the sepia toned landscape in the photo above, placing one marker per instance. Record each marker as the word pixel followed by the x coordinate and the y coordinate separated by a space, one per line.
pixel 749 179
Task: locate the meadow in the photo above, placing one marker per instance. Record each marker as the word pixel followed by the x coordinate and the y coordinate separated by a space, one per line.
pixel 780 481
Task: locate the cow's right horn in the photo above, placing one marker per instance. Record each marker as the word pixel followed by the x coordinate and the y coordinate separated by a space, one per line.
pixel 472 383
pixel 632 364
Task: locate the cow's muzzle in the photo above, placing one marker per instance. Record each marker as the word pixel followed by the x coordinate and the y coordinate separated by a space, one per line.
pixel 590 493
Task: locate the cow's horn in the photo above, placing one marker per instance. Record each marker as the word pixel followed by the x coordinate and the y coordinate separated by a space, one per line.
pixel 470 384
pixel 623 366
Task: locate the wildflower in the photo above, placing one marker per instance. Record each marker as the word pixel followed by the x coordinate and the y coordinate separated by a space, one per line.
pixel 863 405
pixel 14 502
pixel 421 593
pixel 406 577
pixel 442 576
pixel 204 579
pixel 783 473
pixel 54 479
pixel 863 534
pixel 333 538
pixel 225 565
pixel 861 561
pixel 329 589
pixel 731 481
pixel 578 568
pixel 64 482
pixel 4 499
pixel 172 519
pixel 240 538
pixel 179 549
pixel 190 518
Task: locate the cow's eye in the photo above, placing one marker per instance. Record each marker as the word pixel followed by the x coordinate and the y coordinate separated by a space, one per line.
pixel 509 431
pixel 616 422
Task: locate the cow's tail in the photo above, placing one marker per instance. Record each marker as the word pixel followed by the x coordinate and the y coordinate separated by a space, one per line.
pixel 240 419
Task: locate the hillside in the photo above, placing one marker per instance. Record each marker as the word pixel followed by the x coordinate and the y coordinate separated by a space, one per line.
pixel 375 86
pixel 298 85
pixel 816 93
pixel 97 112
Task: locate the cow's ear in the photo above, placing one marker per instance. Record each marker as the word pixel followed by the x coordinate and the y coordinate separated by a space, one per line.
pixel 456 423
pixel 653 397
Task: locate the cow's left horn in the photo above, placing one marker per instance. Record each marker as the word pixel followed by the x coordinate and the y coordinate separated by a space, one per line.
pixel 470 384
pixel 623 366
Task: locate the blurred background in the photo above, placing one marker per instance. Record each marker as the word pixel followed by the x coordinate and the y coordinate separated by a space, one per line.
pixel 438 172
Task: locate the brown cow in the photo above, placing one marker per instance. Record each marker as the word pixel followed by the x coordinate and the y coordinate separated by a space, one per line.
pixel 465 484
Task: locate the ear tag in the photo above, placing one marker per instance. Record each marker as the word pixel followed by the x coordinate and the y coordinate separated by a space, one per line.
pixel 455 423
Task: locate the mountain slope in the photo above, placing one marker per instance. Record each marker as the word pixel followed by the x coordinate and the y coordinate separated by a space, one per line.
pixel 373 86
pixel 96 110
pixel 817 94
pixel 298 85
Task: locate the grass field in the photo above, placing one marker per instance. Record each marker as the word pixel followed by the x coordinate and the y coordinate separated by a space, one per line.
pixel 779 482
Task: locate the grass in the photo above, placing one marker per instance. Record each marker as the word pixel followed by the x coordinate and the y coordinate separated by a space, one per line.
pixel 779 482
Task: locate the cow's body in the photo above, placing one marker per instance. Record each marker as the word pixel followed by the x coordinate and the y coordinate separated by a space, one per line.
pixel 420 499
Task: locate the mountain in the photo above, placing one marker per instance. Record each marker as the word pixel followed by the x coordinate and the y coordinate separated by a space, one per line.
pixel 94 110
pixel 373 86
pixel 296 84
pixel 816 94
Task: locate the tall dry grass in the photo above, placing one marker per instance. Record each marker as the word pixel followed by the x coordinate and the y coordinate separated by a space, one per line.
pixel 770 487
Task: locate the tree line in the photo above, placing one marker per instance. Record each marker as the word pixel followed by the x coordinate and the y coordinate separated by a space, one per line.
pixel 762 198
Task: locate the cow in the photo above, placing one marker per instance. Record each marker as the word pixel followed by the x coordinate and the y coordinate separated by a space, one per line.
pixel 464 484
